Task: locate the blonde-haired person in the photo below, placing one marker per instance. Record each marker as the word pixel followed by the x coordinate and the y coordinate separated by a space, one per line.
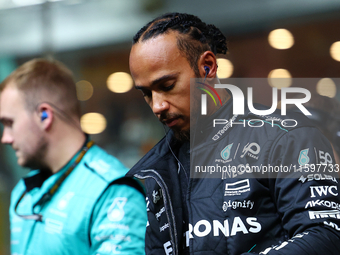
pixel 75 199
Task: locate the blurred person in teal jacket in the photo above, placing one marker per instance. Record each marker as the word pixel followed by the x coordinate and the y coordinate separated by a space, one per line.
pixel 75 200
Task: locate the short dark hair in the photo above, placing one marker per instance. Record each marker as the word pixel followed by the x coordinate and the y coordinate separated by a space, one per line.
pixel 195 36
pixel 40 80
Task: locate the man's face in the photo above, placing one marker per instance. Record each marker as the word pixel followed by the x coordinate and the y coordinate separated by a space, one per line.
pixel 163 75
pixel 21 130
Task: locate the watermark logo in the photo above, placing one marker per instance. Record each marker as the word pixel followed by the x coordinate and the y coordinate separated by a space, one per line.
pixel 204 97
pixel 239 101
pixel 225 153
pixel 303 157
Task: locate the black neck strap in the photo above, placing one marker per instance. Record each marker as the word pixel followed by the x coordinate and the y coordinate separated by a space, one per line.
pixel 55 187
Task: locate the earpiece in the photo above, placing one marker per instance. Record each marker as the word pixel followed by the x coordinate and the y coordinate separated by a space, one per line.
pixel 207 70
pixel 44 115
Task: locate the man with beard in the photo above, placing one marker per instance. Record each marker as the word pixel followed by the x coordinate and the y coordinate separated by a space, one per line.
pixel 204 216
pixel 75 199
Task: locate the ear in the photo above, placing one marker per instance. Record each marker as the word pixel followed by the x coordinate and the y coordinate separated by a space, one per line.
pixel 207 59
pixel 45 116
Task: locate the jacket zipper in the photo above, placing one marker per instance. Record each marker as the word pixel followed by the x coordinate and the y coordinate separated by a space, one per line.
pixel 163 186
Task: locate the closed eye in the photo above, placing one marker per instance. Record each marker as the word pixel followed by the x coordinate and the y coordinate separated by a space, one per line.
pixel 6 122
pixel 146 92
pixel 168 88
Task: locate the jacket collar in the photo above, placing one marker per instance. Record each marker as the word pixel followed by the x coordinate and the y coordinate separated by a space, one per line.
pixel 160 150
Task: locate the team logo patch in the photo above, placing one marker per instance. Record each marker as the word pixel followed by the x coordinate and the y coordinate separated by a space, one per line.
pixel 303 157
pixel 237 188
pixel 225 153
pixel 156 196
pixel 324 214
pixel 65 200
pixel 116 210
pixel 251 150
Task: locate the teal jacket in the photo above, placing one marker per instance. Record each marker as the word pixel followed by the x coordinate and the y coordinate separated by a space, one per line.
pixel 91 213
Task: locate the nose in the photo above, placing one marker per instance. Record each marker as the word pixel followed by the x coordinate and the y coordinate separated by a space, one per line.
pixel 159 103
pixel 6 138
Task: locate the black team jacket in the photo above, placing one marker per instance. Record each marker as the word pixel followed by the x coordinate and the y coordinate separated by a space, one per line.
pixel 253 207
